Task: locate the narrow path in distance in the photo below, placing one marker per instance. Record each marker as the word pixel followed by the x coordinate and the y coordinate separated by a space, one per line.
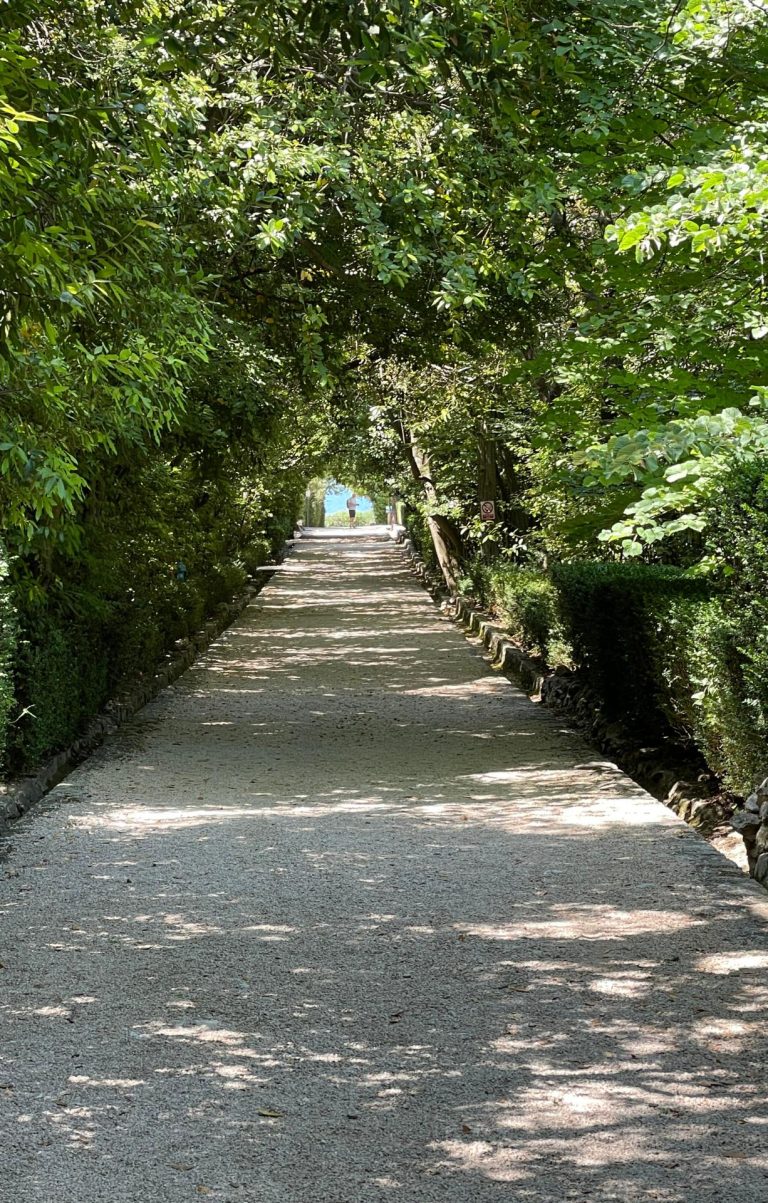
pixel 342 917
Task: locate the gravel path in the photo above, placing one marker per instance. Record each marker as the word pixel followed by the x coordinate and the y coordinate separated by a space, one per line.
pixel 343 918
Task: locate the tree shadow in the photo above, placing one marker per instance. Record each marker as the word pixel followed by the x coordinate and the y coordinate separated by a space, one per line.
pixel 252 954
pixel 403 1012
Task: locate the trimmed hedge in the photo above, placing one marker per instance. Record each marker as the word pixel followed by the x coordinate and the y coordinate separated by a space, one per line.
pixel 726 705
pixel 731 644
pixel 7 653
pixel 63 678
pixel 527 603
pixel 619 619
pixel 109 616
pixel 672 656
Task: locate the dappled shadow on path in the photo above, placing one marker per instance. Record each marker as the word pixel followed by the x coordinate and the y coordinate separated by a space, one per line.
pixel 521 1031
pixel 480 966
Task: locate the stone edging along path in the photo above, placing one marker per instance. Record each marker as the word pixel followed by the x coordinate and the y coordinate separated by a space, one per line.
pixel 705 813
pixel 695 802
pixel 18 795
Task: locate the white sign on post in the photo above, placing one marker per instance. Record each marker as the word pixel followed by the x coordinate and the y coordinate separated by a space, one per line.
pixel 488 511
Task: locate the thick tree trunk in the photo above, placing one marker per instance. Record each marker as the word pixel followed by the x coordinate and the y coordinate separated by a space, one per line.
pixel 511 490
pixel 448 548
pixel 446 540
pixel 487 482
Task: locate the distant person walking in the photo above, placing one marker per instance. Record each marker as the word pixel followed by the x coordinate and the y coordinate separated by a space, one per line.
pixel 392 511
pixel 352 509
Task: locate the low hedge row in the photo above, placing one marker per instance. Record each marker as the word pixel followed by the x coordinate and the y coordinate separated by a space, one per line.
pixel 7 653
pixel 671 655
pixel 526 603
pixel 153 563
pixel 622 624
pixel 70 661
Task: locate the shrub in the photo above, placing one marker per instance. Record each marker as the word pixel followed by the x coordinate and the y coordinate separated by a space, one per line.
pixel 675 655
pixel 618 619
pixel 7 650
pixel 727 712
pixel 671 654
pixel 730 649
pixel 417 530
pixel 526 602
pixel 341 518
pixel 63 678
pixel 111 611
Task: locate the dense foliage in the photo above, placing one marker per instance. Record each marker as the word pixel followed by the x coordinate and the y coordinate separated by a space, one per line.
pixel 669 658
pixel 462 251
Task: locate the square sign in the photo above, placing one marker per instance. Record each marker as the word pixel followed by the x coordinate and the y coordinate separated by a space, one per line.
pixel 488 511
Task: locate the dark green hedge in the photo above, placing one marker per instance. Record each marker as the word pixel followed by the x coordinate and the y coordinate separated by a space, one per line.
pixel 108 614
pixel 526 602
pixel 618 619
pixel 8 636
pixel 62 673
pixel 671 655
pixel 731 643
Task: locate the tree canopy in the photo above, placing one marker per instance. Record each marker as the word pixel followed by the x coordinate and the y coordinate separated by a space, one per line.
pixel 253 232
pixel 462 250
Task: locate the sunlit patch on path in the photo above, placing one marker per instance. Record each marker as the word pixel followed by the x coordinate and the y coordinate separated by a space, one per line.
pixel 343 918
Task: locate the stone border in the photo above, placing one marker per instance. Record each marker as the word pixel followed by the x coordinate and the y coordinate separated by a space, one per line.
pixel 20 794
pixel 752 822
pixel 505 654
pixel 699 803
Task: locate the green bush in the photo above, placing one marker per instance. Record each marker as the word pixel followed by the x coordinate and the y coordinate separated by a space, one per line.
pixel 617 619
pixel 63 678
pixel 7 650
pixel 313 507
pixel 671 655
pixel 729 643
pixel 526 602
pixel 727 713
pixel 341 518
pixel 109 613
pixel 417 530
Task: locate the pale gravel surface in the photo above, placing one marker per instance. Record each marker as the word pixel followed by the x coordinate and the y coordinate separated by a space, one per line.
pixel 344 873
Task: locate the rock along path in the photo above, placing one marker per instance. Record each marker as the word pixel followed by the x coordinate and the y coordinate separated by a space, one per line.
pixel 343 918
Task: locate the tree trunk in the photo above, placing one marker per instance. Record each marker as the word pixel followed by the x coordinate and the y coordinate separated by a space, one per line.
pixel 511 489
pixel 487 481
pixel 446 540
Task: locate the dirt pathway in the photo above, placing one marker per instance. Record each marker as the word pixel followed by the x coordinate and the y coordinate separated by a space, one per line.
pixel 343 918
